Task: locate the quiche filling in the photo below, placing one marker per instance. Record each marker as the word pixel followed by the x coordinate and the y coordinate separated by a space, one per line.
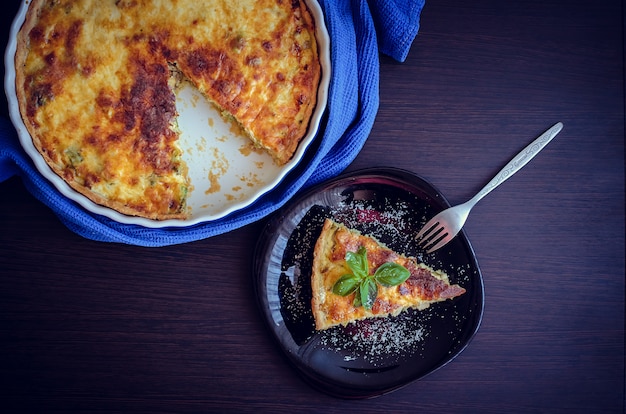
pixel 96 83
pixel 423 287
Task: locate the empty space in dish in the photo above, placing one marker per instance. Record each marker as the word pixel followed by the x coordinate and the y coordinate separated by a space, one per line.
pixel 225 168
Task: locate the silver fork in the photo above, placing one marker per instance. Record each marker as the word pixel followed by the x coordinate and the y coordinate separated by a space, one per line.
pixel 442 228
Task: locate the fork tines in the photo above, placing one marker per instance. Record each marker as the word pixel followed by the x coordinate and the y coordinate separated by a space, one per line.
pixel 430 236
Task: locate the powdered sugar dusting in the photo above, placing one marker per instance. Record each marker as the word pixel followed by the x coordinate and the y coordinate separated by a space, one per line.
pixel 375 340
pixel 393 222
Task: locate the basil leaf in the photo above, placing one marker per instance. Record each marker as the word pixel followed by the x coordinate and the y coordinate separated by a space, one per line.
pixel 346 284
pixel 366 285
pixel 391 274
pixel 368 292
pixel 357 262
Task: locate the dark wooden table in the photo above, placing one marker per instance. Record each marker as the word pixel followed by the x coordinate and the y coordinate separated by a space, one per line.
pixel 97 327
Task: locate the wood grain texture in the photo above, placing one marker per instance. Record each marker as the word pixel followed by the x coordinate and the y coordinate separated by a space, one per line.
pixel 90 327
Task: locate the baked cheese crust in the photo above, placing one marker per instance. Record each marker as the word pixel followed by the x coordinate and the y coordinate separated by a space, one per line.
pixel 424 286
pixel 96 84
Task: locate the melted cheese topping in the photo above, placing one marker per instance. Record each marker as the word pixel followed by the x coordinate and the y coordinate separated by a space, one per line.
pixel 424 287
pixel 95 87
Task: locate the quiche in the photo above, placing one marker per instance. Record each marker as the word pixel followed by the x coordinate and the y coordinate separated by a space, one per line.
pixel 96 82
pixel 423 287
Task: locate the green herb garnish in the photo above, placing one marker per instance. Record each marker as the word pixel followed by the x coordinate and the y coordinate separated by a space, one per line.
pixel 366 285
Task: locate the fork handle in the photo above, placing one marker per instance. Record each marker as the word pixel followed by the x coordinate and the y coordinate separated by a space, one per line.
pixel 518 161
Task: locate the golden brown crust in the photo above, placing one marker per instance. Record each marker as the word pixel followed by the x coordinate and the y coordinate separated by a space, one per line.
pixel 424 287
pixel 320 268
pixel 94 88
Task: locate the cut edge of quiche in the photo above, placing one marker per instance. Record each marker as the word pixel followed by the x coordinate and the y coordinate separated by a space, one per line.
pixel 424 286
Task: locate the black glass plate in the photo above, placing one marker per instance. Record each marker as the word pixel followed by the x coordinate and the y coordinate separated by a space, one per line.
pixel 376 356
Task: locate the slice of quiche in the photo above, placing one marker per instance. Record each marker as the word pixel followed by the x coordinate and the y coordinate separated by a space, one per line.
pixel 423 286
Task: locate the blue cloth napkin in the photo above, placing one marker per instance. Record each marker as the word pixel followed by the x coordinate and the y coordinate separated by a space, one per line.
pixel 358 30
